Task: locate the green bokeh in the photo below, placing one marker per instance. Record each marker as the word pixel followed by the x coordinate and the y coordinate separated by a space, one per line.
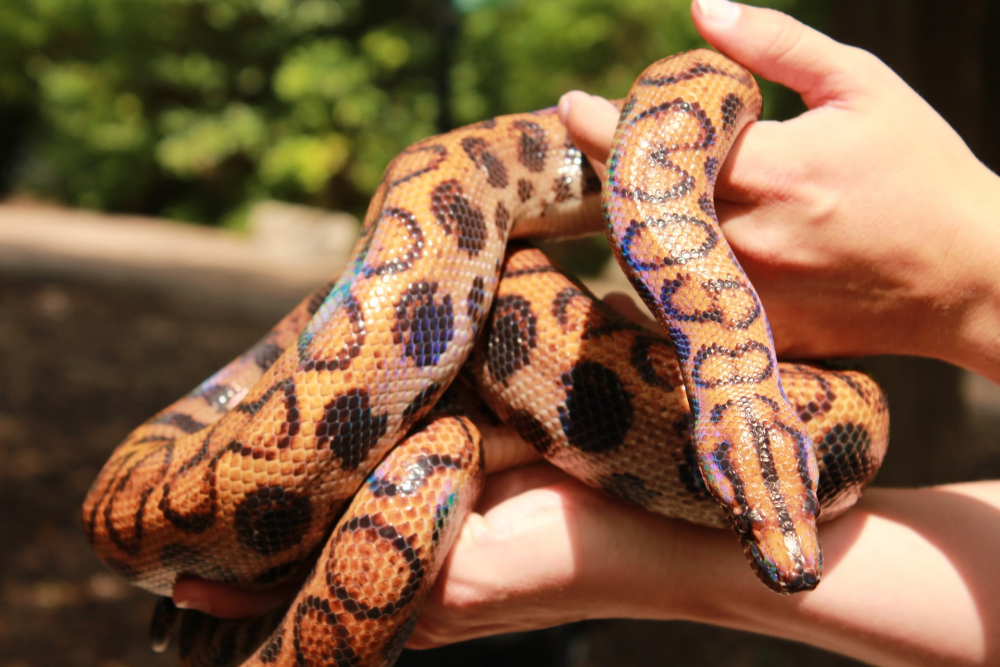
pixel 194 109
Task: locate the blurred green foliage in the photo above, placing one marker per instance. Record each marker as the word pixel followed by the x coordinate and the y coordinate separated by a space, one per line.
pixel 194 109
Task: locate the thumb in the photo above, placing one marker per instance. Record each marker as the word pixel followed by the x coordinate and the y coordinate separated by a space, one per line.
pixel 778 48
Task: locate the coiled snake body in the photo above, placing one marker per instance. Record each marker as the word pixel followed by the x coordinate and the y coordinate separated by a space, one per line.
pixel 241 480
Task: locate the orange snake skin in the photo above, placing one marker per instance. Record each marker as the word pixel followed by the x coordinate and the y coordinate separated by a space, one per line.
pixel 247 479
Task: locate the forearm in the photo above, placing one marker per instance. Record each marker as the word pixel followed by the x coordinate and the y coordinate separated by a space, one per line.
pixel 909 580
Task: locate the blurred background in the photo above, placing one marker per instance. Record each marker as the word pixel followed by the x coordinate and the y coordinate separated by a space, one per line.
pixel 235 143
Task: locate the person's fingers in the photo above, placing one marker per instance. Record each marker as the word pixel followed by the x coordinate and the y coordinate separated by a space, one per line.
pixel 590 121
pixel 225 601
pixel 508 484
pixel 779 48
pixel 766 165
pixel 505 449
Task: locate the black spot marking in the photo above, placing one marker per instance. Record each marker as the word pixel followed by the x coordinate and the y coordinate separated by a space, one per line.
pixel 844 453
pixel 598 411
pixel 592 332
pixel 630 488
pixel 478 151
pixel 291 425
pixel 591 181
pixel 502 218
pixel 181 421
pixel 711 168
pixel 532 430
pixel 265 354
pixel 423 326
pixel 562 187
pixel 533 147
pixel 421 403
pixel 476 301
pixel 511 338
pixel 627 108
pixel 272 520
pixel 689 472
pixel 524 189
pixel 707 205
pixel 396 643
pixel 454 210
pixel 317 298
pixel 350 428
pixel 561 302
pixel 682 345
pixel 732 107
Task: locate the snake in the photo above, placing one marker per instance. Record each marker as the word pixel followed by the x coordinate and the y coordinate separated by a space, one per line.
pixel 344 449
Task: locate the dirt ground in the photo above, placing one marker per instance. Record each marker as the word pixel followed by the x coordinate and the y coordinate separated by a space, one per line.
pixel 82 364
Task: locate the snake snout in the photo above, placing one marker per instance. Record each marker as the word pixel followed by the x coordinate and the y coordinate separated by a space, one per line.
pixel 785 555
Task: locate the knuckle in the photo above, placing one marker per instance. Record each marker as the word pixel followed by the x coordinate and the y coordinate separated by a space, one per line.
pixel 787 42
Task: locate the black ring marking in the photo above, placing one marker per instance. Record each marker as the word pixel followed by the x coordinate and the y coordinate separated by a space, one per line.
pixel 740 350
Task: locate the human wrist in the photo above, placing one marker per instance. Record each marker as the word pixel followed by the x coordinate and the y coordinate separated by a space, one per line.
pixel 970 319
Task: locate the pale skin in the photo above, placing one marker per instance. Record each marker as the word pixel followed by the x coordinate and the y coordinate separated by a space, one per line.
pixel 867 226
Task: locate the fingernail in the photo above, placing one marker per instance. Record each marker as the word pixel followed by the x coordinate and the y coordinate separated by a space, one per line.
pixel 563 107
pixel 722 12
pixel 191 603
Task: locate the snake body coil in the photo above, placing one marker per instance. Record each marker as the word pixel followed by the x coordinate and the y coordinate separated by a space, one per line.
pixel 242 480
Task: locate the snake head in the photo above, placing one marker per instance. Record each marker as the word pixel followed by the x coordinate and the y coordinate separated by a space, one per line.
pixel 784 553
pixel 765 485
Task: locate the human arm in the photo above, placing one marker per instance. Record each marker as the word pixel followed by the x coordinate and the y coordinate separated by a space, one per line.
pixel 908 580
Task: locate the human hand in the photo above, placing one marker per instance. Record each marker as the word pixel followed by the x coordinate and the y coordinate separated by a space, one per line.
pixel 866 224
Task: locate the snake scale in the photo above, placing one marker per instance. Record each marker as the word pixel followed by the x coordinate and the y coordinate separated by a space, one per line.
pixel 247 479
